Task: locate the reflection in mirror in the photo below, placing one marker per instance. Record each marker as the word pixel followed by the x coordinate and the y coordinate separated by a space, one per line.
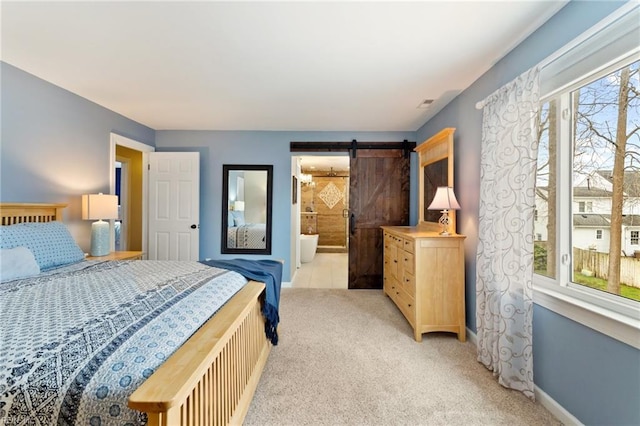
pixel 435 175
pixel 436 169
pixel 246 208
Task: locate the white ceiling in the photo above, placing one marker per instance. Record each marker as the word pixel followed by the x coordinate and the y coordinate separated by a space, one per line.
pixel 299 65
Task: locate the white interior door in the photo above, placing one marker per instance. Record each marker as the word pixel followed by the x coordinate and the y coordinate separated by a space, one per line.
pixel 174 205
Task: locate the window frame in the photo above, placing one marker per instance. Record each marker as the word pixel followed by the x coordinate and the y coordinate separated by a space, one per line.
pixel 609 314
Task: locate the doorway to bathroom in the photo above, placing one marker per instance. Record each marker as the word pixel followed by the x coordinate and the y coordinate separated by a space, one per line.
pixel 324 201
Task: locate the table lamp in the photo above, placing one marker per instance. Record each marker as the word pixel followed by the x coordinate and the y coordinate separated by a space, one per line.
pixel 444 200
pixel 99 207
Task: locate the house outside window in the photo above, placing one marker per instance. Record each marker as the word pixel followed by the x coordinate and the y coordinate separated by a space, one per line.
pixel 634 237
pixel 598 234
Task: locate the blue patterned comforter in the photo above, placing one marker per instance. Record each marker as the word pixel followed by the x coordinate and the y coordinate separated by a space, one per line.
pixel 250 235
pixel 76 342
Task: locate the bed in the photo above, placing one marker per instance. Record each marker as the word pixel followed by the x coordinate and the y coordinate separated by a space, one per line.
pixel 209 379
pixel 248 235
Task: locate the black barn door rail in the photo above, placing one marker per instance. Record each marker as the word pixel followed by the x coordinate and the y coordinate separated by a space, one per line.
pixel 352 146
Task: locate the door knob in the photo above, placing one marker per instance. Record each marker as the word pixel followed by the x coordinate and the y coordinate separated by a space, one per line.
pixel 194 226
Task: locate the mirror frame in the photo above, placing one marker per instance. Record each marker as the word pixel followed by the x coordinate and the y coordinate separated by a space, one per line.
pixel 437 148
pixel 226 168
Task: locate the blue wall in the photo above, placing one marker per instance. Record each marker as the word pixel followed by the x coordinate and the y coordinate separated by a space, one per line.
pixel 55 145
pixel 252 147
pixel 594 377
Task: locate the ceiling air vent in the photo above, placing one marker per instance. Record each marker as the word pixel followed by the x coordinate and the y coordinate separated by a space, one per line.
pixel 426 103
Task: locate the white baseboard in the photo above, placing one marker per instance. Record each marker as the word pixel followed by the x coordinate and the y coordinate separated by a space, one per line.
pixel 286 284
pixel 554 408
pixel 542 397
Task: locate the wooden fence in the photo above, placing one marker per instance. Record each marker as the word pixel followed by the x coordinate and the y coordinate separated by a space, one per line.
pixel 598 263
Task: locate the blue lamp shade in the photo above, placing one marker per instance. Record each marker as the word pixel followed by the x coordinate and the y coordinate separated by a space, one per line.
pixel 99 207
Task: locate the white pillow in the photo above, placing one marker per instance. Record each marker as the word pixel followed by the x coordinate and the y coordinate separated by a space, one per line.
pixel 16 263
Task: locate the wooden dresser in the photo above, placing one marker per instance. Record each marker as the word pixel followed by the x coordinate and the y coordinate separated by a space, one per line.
pixel 424 276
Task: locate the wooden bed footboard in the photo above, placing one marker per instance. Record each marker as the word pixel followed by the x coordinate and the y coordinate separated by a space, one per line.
pixel 211 379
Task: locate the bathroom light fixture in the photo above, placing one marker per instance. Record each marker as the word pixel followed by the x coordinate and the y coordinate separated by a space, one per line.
pixel 444 199
pixel 99 206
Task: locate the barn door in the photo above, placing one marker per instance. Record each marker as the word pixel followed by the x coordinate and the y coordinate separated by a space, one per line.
pixel 379 195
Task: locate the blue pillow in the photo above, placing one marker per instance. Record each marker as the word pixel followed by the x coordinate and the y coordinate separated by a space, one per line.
pixel 50 242
pixel 238 218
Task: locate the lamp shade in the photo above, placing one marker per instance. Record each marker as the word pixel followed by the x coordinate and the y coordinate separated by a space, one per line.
pixel 238 206
pixel 99 206
pixel 444 199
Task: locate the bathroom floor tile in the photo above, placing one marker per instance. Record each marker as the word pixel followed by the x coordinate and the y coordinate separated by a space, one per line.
pixel 327 270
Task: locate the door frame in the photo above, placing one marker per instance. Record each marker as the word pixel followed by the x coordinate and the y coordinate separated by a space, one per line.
pixel 124 202
pixel 114 140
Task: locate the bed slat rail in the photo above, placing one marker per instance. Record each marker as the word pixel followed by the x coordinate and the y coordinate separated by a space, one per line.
pixel 212 384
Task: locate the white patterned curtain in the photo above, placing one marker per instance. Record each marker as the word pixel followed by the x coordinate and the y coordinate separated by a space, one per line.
pixel 504 294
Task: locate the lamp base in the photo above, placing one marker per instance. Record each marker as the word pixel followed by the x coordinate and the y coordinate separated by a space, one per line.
pixel 444 221
pixel 100 238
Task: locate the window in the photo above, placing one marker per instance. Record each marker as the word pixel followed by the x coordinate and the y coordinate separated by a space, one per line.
pixel 590 124
pixel 634 238
pixel 589 172
pixel 585 206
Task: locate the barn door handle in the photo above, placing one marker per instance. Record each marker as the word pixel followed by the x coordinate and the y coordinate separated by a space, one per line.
pixel 352 224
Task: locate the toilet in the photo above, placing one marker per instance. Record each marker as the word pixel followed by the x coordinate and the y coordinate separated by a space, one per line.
pixel 308 245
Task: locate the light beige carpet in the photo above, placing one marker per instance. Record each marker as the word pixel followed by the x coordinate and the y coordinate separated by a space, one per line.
pixel 347 357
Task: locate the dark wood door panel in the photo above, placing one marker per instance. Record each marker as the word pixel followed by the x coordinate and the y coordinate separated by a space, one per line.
pixel 379 195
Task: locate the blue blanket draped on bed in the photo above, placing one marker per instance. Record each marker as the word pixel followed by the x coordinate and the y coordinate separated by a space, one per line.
pixel 266 271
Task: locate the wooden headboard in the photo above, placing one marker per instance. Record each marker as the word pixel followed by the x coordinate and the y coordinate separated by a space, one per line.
pixel 13 213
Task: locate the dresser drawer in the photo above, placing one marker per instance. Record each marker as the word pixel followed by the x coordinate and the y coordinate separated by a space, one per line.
pixel 391 284
pixel 393 240
pixel 407 245
pixel 407 306
pixel 390 264
pixel 409 284
pixel 407 261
